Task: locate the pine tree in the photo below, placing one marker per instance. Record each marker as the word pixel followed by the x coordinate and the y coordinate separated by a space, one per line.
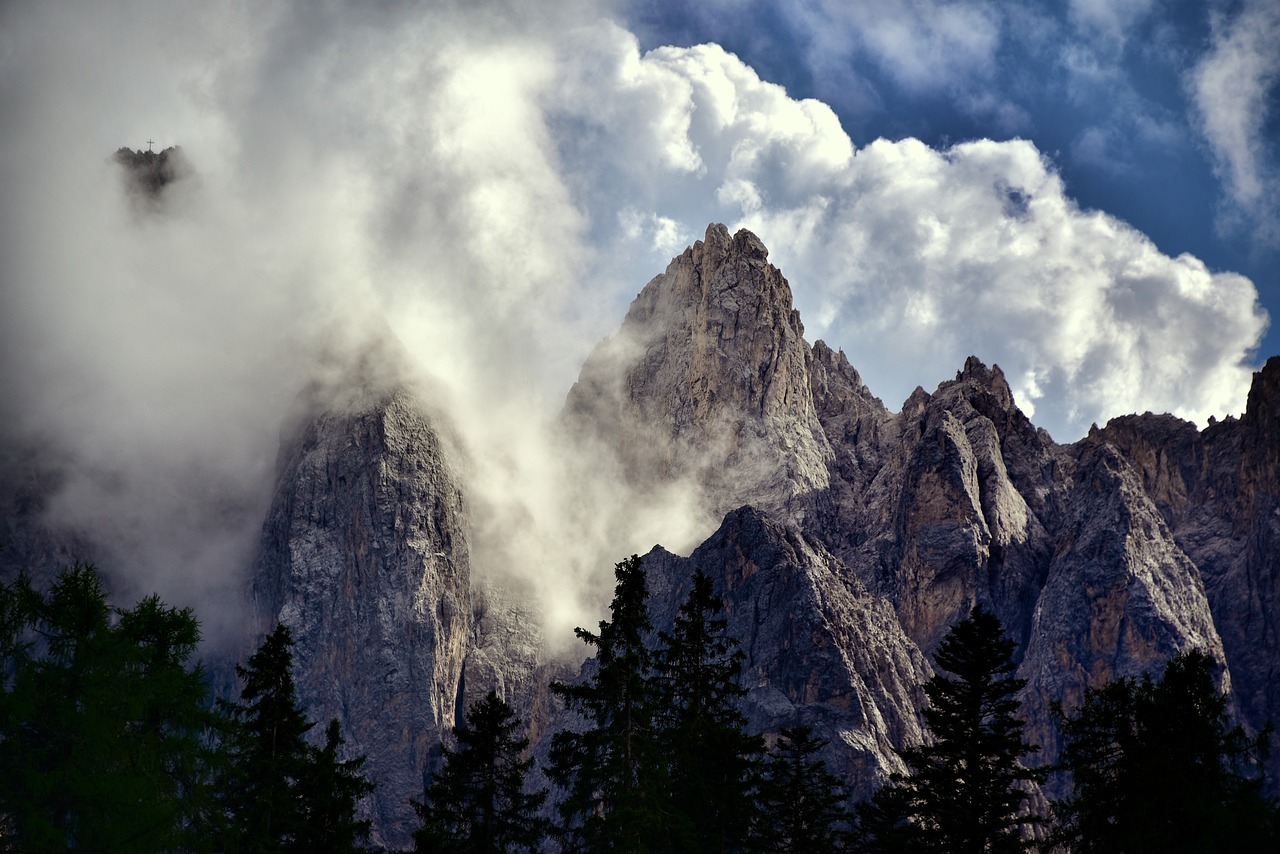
pixel 711 759
pixel 104 724
pixel 329 792
pixel 280 791
pixel 610 772
pixel 1156 766
pixel 477 804
pixel 268 750
pixel 966 790
pixel 801 803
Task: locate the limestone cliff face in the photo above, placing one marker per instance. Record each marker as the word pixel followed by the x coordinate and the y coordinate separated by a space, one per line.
pixel 960 493
pixel 1218 490
pixel 708 378
pixel 1120 597
pixel 853 537
pixel 1101 558
pixel 820 649
pixel 365 556
pixel 507 655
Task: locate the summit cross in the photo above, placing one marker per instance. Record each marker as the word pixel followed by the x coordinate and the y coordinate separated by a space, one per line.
pixel 149 144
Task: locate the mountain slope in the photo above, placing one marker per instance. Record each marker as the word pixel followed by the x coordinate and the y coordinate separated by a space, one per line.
pixel 955 500
pixel 365 556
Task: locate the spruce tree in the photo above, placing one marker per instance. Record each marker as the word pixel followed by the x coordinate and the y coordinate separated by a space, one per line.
pixel 268 751
pixel 104 723
pixel 280 792
pixel 712 761
pixel 967 789
pixel 1157 766
pixel 801 804
pixel 611 771
pixel 477 803
pixel 329 791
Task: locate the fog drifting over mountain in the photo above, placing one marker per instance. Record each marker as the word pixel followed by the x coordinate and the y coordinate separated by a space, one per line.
pixel 495 182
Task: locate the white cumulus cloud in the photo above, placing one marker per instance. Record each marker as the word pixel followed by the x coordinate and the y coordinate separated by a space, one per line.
pixel 911 258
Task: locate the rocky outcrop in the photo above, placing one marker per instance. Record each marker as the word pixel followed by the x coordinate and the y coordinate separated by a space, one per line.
pixel 1218 490
pixel 1101 558
pixel 708 379
pixel 507 655
pixel 365 556
pixel 148 174
pixel 1120 597
pixel 960 491
pixel 820 650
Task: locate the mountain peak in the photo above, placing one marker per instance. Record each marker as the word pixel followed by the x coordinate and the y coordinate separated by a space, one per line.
pixel 711 365
pixel 148 173
pixel 976 371
pixel 718 242
pixel 1263 407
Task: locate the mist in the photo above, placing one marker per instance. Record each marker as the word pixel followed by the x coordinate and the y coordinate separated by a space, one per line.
pixel 493 183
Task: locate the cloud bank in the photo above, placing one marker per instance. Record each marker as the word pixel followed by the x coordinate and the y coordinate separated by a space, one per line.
pixel 909 257
pixel 495 183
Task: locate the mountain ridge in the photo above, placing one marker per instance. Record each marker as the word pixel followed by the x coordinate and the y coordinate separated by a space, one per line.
pixel 850 537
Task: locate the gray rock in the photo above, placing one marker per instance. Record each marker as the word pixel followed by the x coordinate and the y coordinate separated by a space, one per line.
pixel 365 556
pixel 1219 492
pixel 708 379
pixel 1101 559
pixel 820 650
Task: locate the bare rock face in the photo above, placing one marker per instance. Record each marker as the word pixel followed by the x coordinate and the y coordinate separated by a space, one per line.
pixel 708 378
pixel 365 556
pixel 1101 559
pixel 820 650
pixel 507 655
pixel 1120 597
pixel 961 490
pixel 1219 492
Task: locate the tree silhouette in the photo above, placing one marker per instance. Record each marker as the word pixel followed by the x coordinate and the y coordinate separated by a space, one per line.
pixel 329 791
pixel 1156 766
pixel 801 803
pixel 104 724
pixel 711 758
pixel 611 771
pixel 282 794
pixel 966 789
pixel 477 804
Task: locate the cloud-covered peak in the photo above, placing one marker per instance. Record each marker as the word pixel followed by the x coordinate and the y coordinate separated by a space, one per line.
pixel 496 183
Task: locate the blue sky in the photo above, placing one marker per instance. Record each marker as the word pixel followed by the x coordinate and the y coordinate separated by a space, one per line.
pixel 1105 89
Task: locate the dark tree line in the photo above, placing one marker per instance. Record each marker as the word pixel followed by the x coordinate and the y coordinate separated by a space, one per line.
pixel 110 741
pixel 1156 765
pixel 661 760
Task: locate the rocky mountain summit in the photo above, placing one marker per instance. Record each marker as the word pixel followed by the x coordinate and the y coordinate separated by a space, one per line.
pixel 148 174
pixel 853 536
pixel 1102 558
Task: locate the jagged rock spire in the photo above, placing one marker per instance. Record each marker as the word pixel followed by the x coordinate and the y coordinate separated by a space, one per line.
pixel 708 378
